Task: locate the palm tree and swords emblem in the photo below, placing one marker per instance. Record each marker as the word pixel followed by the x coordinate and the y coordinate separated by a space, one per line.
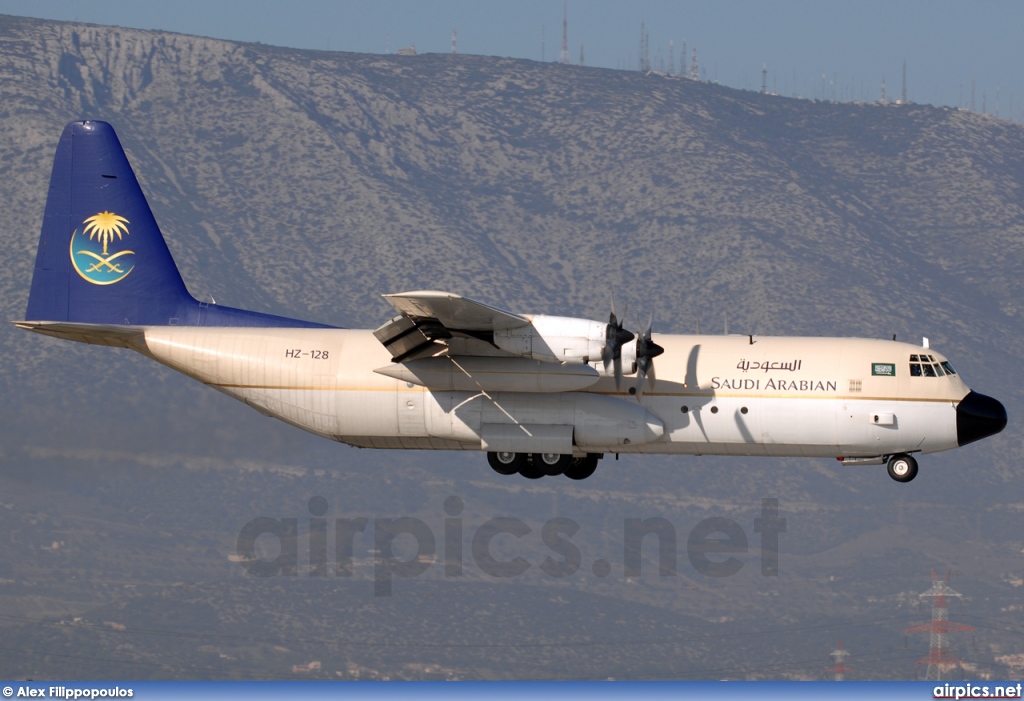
pixel 101 267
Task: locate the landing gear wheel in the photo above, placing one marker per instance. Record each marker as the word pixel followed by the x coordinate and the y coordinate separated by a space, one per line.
pixel 551 464
pixel 581 468
pixel 505 463
pixel 531 470
pixel 902 468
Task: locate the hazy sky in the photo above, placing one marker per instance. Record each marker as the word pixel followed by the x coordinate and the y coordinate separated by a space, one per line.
pixel 946 44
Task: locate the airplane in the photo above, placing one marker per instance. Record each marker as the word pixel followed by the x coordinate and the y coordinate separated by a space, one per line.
pixel 541 395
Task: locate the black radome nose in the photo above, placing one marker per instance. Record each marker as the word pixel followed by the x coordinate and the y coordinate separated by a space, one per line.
pixel 977 417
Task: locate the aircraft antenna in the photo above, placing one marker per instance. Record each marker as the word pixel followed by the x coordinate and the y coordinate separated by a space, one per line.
pixel 939 660
pixel 840 669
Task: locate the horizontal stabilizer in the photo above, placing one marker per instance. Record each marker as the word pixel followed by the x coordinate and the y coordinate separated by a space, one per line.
pixel 116 335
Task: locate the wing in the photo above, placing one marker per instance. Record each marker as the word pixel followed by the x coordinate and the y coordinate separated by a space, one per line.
pixel 427 317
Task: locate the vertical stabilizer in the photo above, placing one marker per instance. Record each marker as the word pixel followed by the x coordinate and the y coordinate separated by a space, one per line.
pixel 102 258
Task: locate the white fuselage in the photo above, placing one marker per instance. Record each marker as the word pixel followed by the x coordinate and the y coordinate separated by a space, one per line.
pixel 728 395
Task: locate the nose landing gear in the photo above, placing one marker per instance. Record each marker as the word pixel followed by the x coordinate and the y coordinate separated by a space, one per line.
pixel 902 467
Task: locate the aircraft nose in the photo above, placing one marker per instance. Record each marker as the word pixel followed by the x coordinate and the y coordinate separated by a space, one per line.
pixel 977 417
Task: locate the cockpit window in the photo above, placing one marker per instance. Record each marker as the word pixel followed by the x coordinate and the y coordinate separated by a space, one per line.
pixel 927 366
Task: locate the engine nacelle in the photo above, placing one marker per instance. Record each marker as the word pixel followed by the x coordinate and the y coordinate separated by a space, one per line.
pixel 628 354
pixel 555 339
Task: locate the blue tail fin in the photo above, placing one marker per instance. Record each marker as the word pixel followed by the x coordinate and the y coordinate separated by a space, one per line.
pixel 102 258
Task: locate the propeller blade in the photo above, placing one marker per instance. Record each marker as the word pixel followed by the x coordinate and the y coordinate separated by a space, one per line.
pixel 646 351
pixel 615 336
pixel 638 388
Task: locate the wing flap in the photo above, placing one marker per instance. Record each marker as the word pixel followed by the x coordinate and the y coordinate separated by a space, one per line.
pixel 428 318
pixel 407 340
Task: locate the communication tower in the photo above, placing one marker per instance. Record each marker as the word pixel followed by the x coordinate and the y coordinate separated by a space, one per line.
pixel 644 58
pixel 764 78
pixel 694 69
pixel 455 41
pixel 939 660
pixel 903 88
pixel 565 33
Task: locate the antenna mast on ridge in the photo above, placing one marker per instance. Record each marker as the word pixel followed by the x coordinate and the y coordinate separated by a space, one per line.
pixel 903 89
pixel 565 33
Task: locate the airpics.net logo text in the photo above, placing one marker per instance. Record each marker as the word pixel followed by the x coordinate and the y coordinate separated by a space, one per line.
pixel 408 547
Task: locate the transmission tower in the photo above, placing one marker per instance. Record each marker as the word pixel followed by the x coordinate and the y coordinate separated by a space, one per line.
pixel 903 88
pixel 939 660
pixel 840 669
pixel 565 33
pixel 644 59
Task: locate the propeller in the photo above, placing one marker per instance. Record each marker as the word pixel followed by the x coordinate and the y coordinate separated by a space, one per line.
pixel 646 351
pixel 615 336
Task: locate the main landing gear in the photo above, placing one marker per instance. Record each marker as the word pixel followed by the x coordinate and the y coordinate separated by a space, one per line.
pixel 902 467
pixel 536 465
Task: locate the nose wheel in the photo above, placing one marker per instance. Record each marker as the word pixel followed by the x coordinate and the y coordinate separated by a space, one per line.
pixel 902 468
